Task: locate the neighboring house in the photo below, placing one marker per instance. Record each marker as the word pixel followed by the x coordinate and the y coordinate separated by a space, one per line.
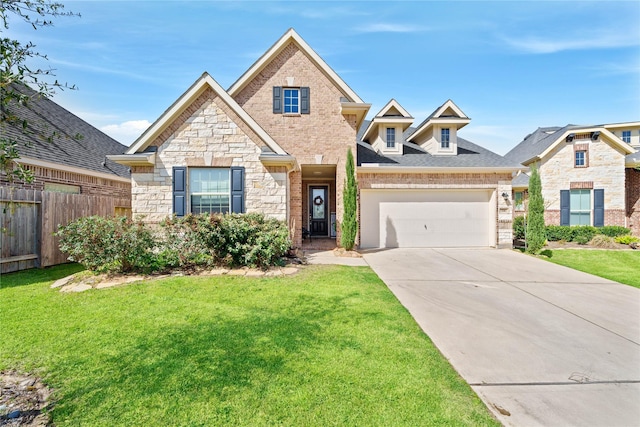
pixel 65 153
pixel 276 142
pixel 587 173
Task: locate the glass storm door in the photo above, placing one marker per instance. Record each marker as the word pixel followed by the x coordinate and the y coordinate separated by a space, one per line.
pixel 319 224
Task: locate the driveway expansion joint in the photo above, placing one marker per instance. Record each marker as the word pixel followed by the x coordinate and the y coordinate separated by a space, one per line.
pixel 553 383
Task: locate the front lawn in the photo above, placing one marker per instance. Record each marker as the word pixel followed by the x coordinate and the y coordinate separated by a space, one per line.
pixel 327 346
pixel 621 266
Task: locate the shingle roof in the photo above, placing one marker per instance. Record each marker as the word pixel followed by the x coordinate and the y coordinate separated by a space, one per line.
pixel 521 180
pixel 56 135
pixel 469 155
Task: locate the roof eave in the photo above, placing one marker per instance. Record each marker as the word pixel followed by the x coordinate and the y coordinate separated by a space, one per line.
pixel 360 109
pixel 287 161
pixel 376 168
pixel 138 159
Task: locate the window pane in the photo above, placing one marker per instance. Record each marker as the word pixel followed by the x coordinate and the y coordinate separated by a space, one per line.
pixel 580 218
pixel 519 200
pixel 210 204
pixel 391 137
pixel 444 138
pixel 210 190
pixel 291 101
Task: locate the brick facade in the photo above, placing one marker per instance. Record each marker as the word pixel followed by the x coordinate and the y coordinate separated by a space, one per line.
pixel 321 137
pixel 633 200
pixel 89 184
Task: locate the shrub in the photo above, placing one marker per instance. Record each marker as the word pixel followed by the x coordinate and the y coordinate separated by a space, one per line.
pixel 627 239
pixel 189 241
pixel 251 240
pixel 583 234
pixel 604 242
pixel 518 227
pixel 349 225
pixel 613 230
pixel 535 216
pixel 108 244
pixel 558 232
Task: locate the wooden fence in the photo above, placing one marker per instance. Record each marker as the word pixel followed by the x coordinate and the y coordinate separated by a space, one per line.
pixel 29 218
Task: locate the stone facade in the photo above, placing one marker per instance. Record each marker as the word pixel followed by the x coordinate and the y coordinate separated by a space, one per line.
pixel 320 137
pixel 209 136
pixel 605 170
pixel 500 183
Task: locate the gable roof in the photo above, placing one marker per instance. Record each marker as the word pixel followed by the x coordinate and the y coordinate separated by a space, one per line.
pixel 57 138
pixel 470 156
pixel 184 101
pixel 292 37
pixel 542 141
pixel 391 113
pixel 447 113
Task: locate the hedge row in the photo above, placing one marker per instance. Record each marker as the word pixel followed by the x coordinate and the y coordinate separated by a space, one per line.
pixel 578 233
pixel 122 245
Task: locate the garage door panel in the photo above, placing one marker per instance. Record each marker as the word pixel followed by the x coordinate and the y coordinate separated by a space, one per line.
pixel 426 219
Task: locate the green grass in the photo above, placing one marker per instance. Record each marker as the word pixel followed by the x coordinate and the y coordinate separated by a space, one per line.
pixel 621 266
pixel 328 346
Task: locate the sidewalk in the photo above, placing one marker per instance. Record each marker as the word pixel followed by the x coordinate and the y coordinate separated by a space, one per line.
pixel 329 257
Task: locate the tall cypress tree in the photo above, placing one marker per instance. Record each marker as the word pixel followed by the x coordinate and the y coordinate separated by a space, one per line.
pixel 349 225
pixel 536 235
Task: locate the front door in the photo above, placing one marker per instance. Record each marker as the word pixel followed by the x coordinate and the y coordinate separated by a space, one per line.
pixel 319 219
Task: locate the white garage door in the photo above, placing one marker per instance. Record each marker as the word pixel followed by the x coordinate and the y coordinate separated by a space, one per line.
pixel 427 218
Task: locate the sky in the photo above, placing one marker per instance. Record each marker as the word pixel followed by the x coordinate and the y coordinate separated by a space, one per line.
pixel 511 66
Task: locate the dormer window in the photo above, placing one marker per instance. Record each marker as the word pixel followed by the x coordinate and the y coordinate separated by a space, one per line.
pixel 444 138
pixel 391 137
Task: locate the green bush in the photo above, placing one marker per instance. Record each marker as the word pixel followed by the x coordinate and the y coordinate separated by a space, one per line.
pixel 556 233
pixel 518 227
pixel 536 236
pixel 627 239
pixel 583 234
pixel 188 241
pixel 108 244
pixel 613 230
pixel 251 240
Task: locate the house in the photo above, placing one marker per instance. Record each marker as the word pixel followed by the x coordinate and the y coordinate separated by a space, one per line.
pixel 276 142
pixel 72 177
pixel 587 173
pixel 64 153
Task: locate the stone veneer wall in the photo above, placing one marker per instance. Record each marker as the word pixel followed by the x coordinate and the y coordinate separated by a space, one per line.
pixel 501 183
pixel 89 184
pixel 605 170
pixel 208 134
pixel 633 200
pixel 321 137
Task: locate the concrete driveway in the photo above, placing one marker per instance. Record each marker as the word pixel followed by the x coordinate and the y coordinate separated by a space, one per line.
pixel 541 344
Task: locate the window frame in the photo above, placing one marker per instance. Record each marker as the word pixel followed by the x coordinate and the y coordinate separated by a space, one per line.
pixel 391 137
pixel 191 193
pixel 577 160
pixel 626 136
pixel 445 132
pixel 288 98
pixel 518 200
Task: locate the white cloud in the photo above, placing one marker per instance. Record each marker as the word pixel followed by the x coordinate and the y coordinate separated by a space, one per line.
pixel 126 132
pixel 388 28
pixel 578 42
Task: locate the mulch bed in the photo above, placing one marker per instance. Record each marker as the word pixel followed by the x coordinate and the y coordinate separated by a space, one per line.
pixel 24 400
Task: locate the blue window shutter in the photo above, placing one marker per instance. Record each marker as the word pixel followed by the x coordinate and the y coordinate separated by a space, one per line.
pixel 598 208
pixel 237 190
pixel 304 100
pixel 565 207
pixel 277 99
pixel 179 190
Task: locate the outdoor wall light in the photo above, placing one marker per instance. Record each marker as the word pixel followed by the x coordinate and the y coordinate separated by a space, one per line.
pixel 505 196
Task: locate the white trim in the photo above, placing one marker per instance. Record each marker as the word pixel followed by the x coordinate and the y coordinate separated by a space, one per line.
pixel 73 169
pixel 622 125
pixel 397 106
pixel 138 159
pixel 200 85
pixel 461 121
pixel 359 109
pixel 269 55
pixel 376 168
